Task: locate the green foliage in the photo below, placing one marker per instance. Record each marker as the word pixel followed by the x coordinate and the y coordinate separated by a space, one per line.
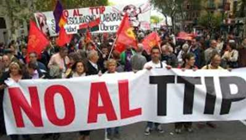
pixel 173 7
pixel 167 7
pixel 49 5
pixel 155 19
pixel 210 20
pixel 241 9
pixel 18 13
pixel 176 9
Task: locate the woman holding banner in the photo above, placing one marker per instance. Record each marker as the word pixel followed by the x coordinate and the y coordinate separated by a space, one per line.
pixel 79 69
pixel 111 66
pixel 14 74
pixel 189 63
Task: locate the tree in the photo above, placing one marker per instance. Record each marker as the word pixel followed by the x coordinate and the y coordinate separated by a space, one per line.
pixel 18 14
pixel 175 8
pixel 167 7
pixel 241 10
pixel 211 21
pixel 49 5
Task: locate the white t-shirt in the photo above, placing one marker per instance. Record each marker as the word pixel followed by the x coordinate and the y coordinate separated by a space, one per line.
pixel 154 65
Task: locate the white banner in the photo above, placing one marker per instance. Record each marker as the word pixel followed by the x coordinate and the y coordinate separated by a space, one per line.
pixel 87 103
pixel 110 16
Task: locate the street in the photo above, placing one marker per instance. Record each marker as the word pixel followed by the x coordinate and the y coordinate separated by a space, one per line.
pixel 233 130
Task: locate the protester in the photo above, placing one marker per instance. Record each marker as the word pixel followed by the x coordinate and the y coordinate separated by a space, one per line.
pixel 6 62
pixel 111 69
pixel 73 57
pixel 92 64
pixel 47 54
pixel 138 60
pixel 79 69
pixel 182 53
pixel 189 63
pixel 208 52
pixel 168 56
pixel 196 50
pixel 15 74
pixel 89 47
pixel 126 58
pixel 61 61
pixel 154 64
pixel 22 55
pixel 220 44
pixel 215 63
pixel 13 49
pixel 103 57
pixel 116 57
pixel 33 57
pixel 231 56
pixel 242 56
pixel 33 71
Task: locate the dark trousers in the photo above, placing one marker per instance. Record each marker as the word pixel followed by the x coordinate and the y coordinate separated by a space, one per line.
pixel 183 124
pixel 16 137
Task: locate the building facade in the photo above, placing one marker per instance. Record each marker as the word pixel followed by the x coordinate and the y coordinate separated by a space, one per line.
pixel 9 28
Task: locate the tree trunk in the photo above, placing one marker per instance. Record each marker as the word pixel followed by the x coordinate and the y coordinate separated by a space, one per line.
pixel 245 27
pixel 173 23
pixel 166 20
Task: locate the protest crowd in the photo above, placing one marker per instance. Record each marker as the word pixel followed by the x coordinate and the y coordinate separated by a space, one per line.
pixel 97 54
pixel 94 58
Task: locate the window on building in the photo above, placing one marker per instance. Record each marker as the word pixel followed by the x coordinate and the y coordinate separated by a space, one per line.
pixel 188 6
pixel 2 23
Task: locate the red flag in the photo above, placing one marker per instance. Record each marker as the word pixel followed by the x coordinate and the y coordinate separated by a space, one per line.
pixel 63 38
pixel 150 41
pixel 120 47
pixel 185 36
pixel 37 41
pixel 125 33
pixel 91 24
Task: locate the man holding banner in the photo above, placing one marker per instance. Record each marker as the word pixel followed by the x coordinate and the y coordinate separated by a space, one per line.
pixel 155 63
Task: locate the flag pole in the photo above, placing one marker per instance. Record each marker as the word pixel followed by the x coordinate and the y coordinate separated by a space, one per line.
pixel 92 41
pixel 111 51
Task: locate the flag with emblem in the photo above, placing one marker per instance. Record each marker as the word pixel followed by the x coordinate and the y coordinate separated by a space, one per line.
pixel 60 19
pixel 37 41
pixel 125 34
pixel 153 39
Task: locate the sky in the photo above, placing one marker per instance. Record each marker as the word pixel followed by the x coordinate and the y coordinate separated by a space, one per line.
pixel 118 2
